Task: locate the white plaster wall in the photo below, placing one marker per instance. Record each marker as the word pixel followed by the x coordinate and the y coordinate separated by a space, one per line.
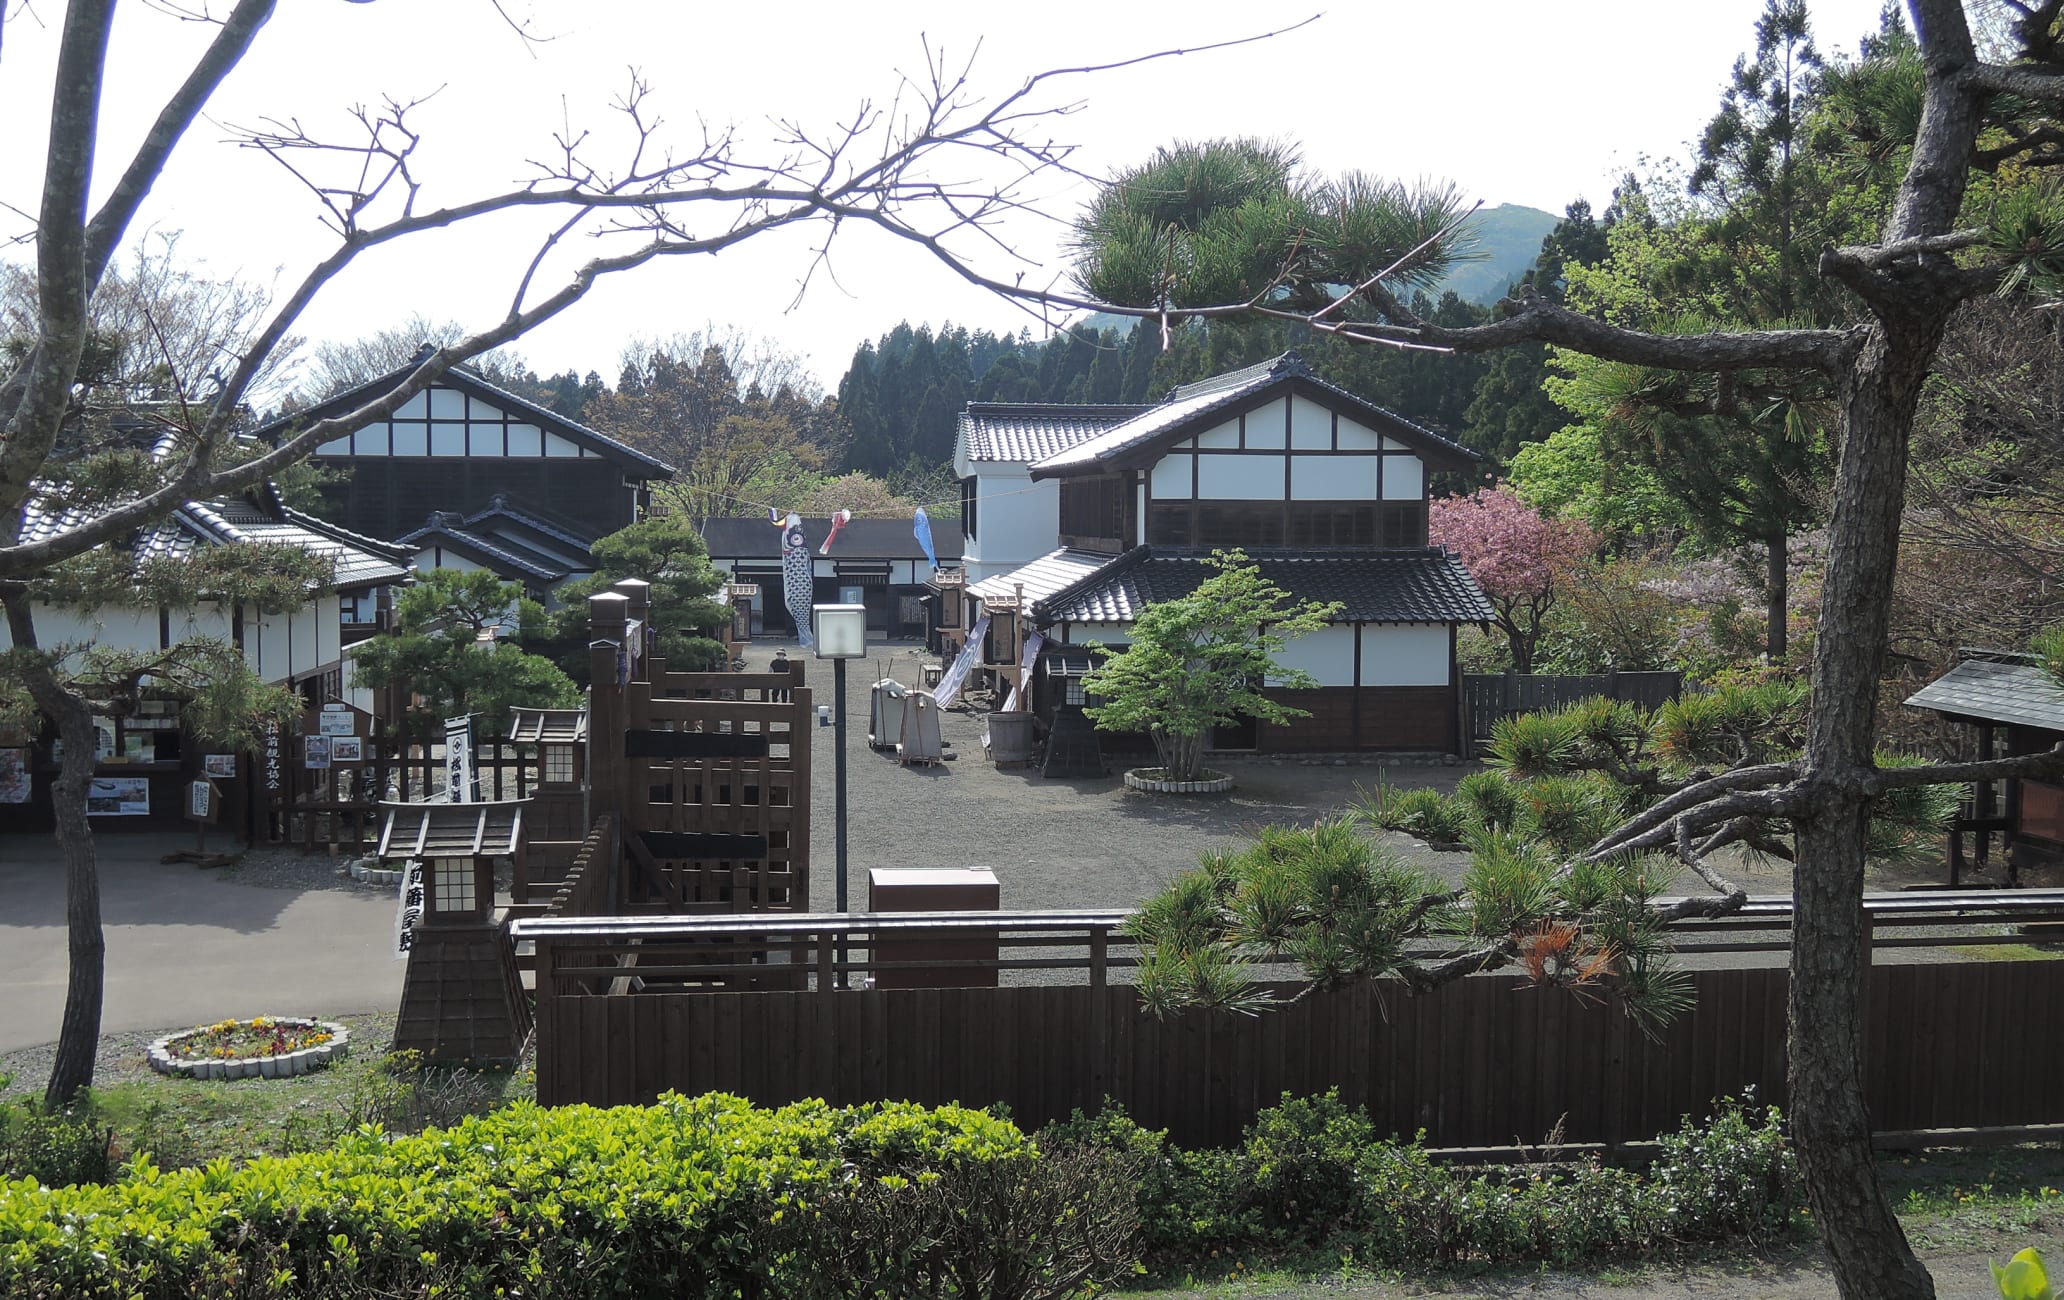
pixel 1224 436
pixel 1405 654
pixel 1327 654
pixel 1333 478
pixel 1404 478
pixel 1311 425
pixel 1017 521
pixel 1265 427
pixel 118 629
pixel 1239 478
pixel 1358 437
pixel 1111 634
pixel 1171 478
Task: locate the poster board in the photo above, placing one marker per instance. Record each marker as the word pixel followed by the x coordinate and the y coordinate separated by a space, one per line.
pixel 203 803
pixel 219 765
pixel 336 720
pixel 118 796
pixel 15 782
pixel 315 753
pixel 347 749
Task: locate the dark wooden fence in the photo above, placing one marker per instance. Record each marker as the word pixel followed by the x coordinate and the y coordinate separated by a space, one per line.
pixel 626 1011
pixel 1487 697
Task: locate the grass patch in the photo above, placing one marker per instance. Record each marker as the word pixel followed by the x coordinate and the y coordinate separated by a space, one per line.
pixel 185 1122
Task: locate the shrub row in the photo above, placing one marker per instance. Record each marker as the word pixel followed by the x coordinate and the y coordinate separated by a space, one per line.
pixel 712 1197
pixel 1312 1177
pixel 687 1198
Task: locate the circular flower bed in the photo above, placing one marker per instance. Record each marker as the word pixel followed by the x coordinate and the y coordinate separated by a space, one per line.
pixel 271 1047
pixel 1155 780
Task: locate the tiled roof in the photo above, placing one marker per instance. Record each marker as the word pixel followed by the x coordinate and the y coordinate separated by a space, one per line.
pixel 499 511
pixel 1050 573
pixel 2019 693
pixel 1373 585
pixel 1029 431
pixel 754 538
pixel 356 561
pixel 1189 403
pixel 507 557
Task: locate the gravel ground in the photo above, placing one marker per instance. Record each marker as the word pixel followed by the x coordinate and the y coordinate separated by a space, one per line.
pixel 1094 843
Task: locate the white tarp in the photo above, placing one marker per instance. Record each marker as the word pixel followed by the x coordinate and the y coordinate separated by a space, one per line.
pixel 948 689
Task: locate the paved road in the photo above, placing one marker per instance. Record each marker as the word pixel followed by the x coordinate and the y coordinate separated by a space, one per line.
pixel 184 946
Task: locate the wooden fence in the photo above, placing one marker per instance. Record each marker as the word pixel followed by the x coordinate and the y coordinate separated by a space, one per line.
pixel 626 1011
pixel 1487 697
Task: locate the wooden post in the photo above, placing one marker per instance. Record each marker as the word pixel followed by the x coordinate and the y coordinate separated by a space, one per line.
pixel 607 767
pixel 638 594
pixel 1099 1018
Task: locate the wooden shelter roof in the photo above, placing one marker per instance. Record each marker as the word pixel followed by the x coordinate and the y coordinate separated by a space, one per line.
pixel 2018 694
pixel 452 830
pixel 555 726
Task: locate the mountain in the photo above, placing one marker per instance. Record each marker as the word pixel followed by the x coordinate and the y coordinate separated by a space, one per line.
pixel 1509 237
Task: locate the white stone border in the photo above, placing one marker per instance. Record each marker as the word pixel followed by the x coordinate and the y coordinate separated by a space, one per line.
pixel 283 1066
pixel 1213 783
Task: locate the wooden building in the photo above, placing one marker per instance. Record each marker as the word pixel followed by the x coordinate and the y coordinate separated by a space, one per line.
pixel 874 562
pixel 2014 707
pixel 1327 492
pixel 466 447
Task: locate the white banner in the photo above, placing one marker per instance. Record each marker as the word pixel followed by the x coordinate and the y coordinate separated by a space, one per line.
pixel 408 908
pixel 1021 692
pixel 948 689
pixel 458 759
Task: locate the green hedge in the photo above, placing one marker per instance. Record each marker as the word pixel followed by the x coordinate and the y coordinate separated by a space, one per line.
pixel 1312 1177
pixel 687 1198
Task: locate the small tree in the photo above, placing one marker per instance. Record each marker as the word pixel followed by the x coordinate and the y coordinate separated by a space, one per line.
pixel 668 553
pixel 1199 662
pixel 436 651
pixel 1521 558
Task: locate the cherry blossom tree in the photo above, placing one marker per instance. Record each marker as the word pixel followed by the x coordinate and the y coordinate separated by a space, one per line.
pixel 1524 560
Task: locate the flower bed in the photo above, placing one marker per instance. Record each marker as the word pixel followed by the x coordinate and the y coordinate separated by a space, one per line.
pixel 271 1047
pixel 1155 780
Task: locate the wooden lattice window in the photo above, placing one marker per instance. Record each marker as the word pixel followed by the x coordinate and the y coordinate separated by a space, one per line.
pixel 558 764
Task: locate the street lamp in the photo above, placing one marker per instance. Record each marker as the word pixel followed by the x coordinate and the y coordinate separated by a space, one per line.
pixel 841 632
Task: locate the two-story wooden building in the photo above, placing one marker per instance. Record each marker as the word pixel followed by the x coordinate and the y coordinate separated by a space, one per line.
pixel 1327 492
pixel 475 473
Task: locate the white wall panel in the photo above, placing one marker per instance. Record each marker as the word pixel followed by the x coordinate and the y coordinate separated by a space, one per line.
pixel 1311 425
pixel 1404 478
pixel 1327 654
pixel 447 404
pixel 1016 520
pixel 1356 437
pixel 447 438
pixel 412 440
pixel 1171 478
pixel 1111 634
pixel 558 446
pixel 1405 654
pixel 335 447
pixel 1265 426
pixel 117 629
pixel 1333 478
pixel 415 408
pixel 1225 436
pixel 371 440
pixel 1239 478
pixel 526 440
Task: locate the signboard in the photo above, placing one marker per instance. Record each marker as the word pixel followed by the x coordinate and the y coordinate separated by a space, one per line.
pixel 458 759
pixel 336 720
pixel 201 804
pixel 347 749
pixel 118 796
pixel 272 758
pixel 222 765
pixel 315 753
pixel 408 908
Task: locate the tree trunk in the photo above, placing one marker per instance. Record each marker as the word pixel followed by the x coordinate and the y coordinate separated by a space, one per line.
pixel 1776 597
pixel 1181 753
pixel 78 1039
pixel 1830 960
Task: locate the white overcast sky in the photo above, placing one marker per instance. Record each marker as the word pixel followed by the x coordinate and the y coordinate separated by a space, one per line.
pixel 1516 101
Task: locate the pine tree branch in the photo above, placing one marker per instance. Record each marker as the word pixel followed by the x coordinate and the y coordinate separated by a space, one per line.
pixel 2047 765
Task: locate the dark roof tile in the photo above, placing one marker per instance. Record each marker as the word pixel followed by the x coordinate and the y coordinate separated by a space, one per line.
pixel 2021 694
pixel 1373 585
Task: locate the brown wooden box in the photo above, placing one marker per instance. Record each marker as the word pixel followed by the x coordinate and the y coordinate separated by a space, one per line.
pixel 936 889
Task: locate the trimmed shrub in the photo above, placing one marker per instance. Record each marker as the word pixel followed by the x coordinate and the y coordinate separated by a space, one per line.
pixel 1312 1177
pixel 687 1198
pixel 1490 799
pixel 1421 812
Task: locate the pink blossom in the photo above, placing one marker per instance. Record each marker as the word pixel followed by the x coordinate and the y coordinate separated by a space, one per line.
pixel 1513 551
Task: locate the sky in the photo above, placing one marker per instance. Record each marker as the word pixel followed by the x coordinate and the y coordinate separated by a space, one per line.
pixel 1514 101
